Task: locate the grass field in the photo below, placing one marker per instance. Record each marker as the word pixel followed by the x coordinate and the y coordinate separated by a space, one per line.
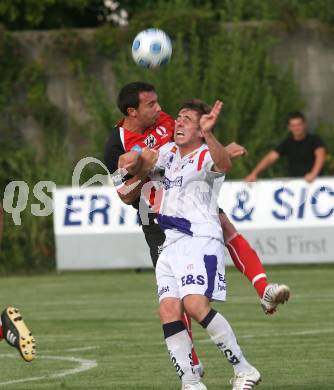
pixel 107 324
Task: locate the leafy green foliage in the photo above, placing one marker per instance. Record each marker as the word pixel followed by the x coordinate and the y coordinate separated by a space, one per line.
pixel 210 60
pixel 234 66
pixel 51 14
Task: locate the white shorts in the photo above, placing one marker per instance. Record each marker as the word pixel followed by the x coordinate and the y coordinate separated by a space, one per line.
pixel 192 265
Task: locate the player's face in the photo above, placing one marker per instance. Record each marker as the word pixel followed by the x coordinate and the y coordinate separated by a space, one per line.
pixel 187 128
pixel 297 127
pixel 149 109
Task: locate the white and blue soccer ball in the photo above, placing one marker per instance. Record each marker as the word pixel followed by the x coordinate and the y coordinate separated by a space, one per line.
pixel 152 48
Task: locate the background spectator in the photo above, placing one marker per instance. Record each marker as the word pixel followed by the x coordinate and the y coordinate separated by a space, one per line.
pixel 305 152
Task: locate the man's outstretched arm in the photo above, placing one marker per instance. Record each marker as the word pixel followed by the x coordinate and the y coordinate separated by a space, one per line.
pixel 269 159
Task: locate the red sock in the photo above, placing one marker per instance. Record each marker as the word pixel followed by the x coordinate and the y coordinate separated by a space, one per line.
pixel 1 333
pixel 187 323
pixel 247 261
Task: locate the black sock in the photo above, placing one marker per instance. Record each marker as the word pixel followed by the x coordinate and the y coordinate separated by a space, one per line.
pixel 206 321
pixel 172 328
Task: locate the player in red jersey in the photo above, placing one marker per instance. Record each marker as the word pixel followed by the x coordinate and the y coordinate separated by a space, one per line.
pixel 12 327
pixel 131 145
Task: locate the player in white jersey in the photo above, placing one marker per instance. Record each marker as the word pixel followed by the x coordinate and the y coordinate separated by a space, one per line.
pixel 190 269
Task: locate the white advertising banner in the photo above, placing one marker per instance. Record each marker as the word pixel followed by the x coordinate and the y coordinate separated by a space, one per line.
pixel 287 221
pixel 95 230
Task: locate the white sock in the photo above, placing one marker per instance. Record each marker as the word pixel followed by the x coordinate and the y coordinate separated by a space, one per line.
pixel 223 336
pixel 179 347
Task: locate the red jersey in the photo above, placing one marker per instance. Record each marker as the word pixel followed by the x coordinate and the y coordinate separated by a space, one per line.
pixel 123 140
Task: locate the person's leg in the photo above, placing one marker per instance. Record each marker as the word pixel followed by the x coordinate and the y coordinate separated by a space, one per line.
pixel 224 338
pixel 155 237
pixel 177 340
pixel 12 327
pixel 243 255
pixel 17 334
pixel 247 262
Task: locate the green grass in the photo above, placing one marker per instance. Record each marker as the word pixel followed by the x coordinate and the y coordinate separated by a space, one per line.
pixel 115 313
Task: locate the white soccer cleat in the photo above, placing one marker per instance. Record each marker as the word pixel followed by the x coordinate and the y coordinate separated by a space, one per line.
pixel 199 369
pixel 198 386
pixel 246 380
pixel 273 295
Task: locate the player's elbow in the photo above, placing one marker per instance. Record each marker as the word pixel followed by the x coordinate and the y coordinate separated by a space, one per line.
pixel 126 199
pixel 272 157
pixel 225 166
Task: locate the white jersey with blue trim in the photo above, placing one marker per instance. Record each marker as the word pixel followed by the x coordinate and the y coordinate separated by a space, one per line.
pixel 190 192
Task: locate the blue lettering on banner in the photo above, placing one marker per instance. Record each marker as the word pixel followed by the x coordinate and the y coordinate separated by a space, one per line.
pixel 302 200
pixel 282 203
pixel 99 210
pixel 72 210
pixel 314 202
pixel 122 216
pixel 244 214
pixel 288 210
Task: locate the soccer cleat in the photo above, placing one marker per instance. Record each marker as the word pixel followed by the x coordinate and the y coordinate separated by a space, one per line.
pixel 198 386
pixel 247 380
pixel 273 295
pixel 17 334
pixel 199 369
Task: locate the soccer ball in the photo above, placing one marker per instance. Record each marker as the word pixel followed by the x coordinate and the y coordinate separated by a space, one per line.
pixel 152 48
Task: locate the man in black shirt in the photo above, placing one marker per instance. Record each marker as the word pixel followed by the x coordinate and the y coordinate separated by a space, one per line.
pixel 305 152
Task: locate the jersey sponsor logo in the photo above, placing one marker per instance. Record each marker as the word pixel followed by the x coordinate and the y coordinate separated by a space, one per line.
pixel 179 371
pixel 170 160
pixel 163 290
pixel 221 278
pixel 168 184
pixel 230 356
pixel 186 280
pixel 162 131
pixel 150 141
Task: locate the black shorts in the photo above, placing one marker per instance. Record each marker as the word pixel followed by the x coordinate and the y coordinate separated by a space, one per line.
pixel 154 237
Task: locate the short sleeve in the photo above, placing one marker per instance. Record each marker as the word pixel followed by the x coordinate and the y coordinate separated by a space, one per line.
pixel 205 165
pixel 317 142
pixel 112 151
pixel 282 148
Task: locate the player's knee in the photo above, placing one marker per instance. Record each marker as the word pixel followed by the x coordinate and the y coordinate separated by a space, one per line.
pixel 196 306
pixel 170 310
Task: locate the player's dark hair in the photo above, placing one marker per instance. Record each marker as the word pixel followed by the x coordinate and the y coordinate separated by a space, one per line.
pixel 129 95
pixel 196 105
pixel 296 115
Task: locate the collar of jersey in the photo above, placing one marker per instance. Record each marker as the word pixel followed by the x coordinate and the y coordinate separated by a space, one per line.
pixel 147 130
pixel 189 155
